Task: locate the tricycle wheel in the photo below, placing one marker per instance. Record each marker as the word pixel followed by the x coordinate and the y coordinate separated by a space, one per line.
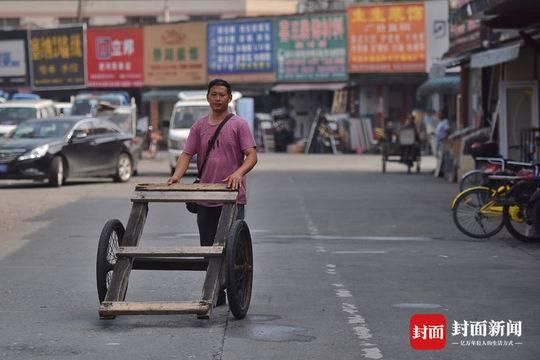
pixel 239 269
pixel 109 241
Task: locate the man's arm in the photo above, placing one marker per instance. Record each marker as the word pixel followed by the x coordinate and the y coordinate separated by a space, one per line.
pixel 181 166
pixel 235 179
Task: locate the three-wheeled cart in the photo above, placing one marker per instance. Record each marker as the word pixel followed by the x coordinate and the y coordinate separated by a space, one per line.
pixel 402 147
pixel 228 263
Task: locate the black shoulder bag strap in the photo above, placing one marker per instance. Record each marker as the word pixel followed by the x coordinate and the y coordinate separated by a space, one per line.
pixel 212 142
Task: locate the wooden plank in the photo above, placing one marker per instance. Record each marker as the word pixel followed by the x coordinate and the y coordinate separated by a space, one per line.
pixel 214 275
pixel 122 268
pixel 108 308
pixel 149 263
pixel 183 187
pixel 170 196
pixel 228 215
pixel 178 251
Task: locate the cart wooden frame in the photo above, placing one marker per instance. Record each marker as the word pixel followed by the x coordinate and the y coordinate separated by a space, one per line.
pixel 228 263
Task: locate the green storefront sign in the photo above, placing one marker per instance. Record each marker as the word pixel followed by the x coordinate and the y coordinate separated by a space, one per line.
pixel 311 48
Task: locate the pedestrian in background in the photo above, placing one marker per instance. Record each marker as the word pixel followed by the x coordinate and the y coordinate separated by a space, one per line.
pixel 430 124
pixel 441 133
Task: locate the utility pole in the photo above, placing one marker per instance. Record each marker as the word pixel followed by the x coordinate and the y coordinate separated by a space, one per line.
pixel 79 10
pixel 166 12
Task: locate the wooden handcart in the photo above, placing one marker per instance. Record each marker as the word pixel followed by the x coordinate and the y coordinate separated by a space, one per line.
pixel 402 147
pixel 228 263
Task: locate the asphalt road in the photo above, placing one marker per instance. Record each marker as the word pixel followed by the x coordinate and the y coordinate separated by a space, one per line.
pixel 344 256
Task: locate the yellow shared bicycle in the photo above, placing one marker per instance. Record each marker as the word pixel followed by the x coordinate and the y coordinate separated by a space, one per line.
pixel 482 211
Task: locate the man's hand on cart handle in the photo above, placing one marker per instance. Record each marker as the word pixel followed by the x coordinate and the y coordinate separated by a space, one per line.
pixel 172 180
pixel 234 180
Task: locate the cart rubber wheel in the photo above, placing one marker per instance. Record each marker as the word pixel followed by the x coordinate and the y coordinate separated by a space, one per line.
pixel 239 269
pixel 109 241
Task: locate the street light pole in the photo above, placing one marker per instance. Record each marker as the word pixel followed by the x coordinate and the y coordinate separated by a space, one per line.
pixel 79 10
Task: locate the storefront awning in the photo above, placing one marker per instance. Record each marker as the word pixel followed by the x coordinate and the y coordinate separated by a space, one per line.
pixel 309 87
pixel 441 85
pixel 495 56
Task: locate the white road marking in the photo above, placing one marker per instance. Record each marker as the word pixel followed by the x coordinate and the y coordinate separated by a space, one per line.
pixel 359 252
pixel 361 330
pixel 417 306
pixel 313 235
pixel 343 293
pixel 372 353
pixel 289 236
pixel 372 238
pixel 331 269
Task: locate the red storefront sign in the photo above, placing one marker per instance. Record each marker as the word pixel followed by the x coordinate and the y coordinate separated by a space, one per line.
pixel 115 57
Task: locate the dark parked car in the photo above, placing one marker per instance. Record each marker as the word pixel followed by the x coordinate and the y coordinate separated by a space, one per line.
pixel 57 148
pixel 125 117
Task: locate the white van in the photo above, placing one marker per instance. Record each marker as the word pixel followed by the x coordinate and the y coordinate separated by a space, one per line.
pixel 191 107
pixel 13 112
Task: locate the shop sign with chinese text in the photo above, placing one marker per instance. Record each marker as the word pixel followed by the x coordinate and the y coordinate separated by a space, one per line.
pixel 241 51
pixel 57 58
pixel 175 54
pixel 311 48
pixel 387 38
pixel 115 57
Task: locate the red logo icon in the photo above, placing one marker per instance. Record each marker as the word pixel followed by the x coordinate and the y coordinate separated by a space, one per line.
pixel 427 332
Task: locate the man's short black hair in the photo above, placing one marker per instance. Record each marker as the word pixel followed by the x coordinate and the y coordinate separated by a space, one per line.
pixel 219 82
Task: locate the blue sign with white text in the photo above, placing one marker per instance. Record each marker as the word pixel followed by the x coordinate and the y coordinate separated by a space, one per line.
pixel 13 58
pixel 240 47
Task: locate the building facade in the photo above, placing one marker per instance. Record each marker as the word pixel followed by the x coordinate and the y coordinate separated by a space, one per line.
pixel 28 13
pixel 497 44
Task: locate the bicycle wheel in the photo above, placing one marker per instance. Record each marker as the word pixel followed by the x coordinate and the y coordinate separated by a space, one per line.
pixel 471 179
pixel 476 214
pixel 518 217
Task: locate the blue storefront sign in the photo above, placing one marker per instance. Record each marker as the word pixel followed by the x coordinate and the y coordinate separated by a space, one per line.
pixel 240 47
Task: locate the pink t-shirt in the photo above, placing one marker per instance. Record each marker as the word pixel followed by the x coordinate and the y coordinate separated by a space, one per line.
pixel 228 152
